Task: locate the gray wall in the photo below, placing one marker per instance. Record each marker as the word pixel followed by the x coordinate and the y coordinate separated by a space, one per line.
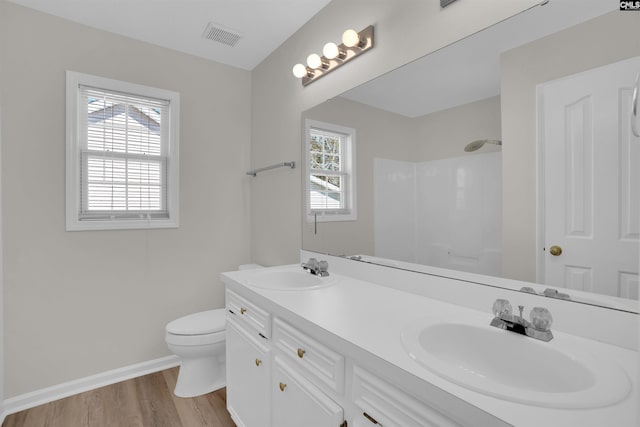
pixel 444 134
pixel 80 303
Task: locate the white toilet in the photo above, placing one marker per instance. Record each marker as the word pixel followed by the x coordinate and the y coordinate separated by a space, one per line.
pixel 199 340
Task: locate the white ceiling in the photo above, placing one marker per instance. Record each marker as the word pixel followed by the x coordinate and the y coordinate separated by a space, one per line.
pixel 179 24
pixel 469 70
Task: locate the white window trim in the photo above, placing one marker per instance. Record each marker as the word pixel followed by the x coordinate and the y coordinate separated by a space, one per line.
pixel 73 183
pixel 350 157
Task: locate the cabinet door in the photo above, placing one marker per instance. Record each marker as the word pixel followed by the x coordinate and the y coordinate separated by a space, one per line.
pixel 248 374
pixel 383 404
pixel 296 402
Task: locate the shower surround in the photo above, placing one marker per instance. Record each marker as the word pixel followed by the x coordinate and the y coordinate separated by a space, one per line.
pixel 445 213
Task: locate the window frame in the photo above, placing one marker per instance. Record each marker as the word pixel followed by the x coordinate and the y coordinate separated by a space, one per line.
pixel 348 159
pixel 74 150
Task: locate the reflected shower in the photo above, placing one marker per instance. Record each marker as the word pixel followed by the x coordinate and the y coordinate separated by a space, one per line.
pixel 479 143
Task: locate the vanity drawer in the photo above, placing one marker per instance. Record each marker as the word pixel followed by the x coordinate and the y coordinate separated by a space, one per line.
pixel 312 357
pixel 249 314
pixel 384 404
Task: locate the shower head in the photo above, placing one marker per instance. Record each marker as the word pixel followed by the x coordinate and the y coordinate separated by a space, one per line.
pixel 477 144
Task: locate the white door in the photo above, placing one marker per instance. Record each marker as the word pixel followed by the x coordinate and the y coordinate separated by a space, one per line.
pixel 591 179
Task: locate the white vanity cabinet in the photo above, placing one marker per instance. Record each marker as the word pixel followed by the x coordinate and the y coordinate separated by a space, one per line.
pixel 282 381
pixel 339 354
pixel 297 402
pixel 248 355
pixel 280 375
pixel 321 364
pixel 307 375
pixel 250 315
pixel 381 403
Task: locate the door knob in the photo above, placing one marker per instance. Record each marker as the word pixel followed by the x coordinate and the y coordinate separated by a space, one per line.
pixel 555 250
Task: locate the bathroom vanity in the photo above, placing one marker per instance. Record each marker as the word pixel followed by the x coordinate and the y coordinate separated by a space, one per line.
pixel 304 350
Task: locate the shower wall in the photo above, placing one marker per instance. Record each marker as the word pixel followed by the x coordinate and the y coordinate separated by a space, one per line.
pixel 445 213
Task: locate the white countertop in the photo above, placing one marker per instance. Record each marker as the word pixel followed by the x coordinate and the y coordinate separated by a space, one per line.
pixel 372 317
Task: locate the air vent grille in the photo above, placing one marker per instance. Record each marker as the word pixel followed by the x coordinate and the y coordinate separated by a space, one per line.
pixel 221 34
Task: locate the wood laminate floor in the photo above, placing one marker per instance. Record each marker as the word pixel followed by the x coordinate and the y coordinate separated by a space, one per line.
pixel 146 401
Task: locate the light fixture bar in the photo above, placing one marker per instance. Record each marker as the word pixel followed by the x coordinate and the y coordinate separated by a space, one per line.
pixel 328 65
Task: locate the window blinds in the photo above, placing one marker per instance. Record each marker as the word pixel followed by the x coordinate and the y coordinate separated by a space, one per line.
pixel 124 155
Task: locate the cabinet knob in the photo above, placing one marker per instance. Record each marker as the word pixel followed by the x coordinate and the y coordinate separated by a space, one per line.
pixel 301 353
pixel 258 362
pixel 282 386
pixel 243 310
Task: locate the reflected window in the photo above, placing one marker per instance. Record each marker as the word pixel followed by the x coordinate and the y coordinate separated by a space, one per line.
pixel 330 172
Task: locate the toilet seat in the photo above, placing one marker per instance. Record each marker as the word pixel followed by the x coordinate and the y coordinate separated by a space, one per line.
pixel 202 323
pixel 195 340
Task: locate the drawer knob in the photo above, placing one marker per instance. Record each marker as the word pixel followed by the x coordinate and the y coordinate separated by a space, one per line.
pixel 243 310
pixel 282 386
pixel 258 362
pixel 301 353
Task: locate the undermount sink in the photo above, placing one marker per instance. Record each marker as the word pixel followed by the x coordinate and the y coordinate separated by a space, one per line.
pixel 288 280
pixel 514 367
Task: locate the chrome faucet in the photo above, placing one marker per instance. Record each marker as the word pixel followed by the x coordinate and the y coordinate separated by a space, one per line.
pixel 538 327
pixel 315 267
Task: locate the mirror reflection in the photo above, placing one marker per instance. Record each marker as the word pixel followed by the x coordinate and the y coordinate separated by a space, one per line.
pixel 508 155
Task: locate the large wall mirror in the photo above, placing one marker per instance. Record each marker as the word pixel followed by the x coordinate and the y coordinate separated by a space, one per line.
pixel 506 157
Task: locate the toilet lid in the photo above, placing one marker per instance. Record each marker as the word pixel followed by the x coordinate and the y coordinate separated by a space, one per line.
pixel 205 322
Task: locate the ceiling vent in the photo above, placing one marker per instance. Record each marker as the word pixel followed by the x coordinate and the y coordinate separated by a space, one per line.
pixel 221 34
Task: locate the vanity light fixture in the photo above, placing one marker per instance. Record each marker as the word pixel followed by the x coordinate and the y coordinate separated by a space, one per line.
pixel 331 51
pixel 299 70
pixel 353 44
pixel 314 61
pixel 350 38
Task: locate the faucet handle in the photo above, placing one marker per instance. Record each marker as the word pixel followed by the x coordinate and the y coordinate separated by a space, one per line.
pixel 323 266
pixel 501 306
pixel 541 318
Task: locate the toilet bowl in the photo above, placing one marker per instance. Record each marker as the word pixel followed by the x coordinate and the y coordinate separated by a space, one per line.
pixel 199 340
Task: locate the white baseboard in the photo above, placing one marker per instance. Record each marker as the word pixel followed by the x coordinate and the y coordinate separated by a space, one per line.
pixel 49 394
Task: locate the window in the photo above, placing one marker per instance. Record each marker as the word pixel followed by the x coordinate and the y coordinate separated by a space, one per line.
pixel 122 154
pixel 330 190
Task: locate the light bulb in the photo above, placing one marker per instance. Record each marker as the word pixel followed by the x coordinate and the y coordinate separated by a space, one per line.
pixel 314 61
pixel 330 50
pixel 299 70
pixel 350 38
